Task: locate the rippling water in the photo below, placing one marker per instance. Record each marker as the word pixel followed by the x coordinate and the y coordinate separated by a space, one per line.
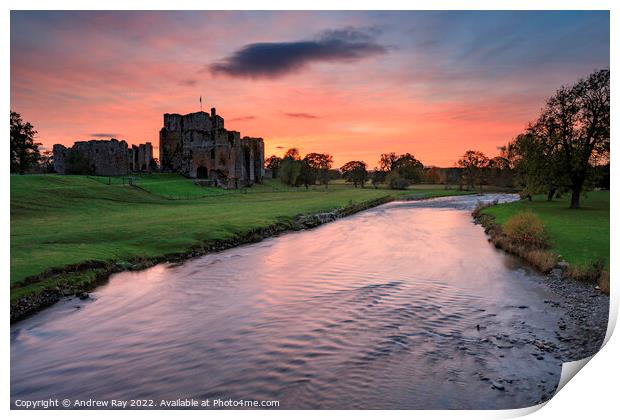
pixel 402 306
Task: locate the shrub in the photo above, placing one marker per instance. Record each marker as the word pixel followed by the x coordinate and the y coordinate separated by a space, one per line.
pixel 526 230
pixel 542 260
pixel 396 182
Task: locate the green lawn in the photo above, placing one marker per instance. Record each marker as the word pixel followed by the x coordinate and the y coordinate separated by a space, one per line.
pixel 61 220
pixel 580 236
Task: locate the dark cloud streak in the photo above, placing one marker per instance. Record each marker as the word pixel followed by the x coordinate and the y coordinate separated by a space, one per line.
pixel 302 115
pixel 246 118
pixel 275 59
pixel 188 82
pixel 104 135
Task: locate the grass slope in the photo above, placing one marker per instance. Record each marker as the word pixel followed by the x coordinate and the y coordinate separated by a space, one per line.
pixel 580 236
pixel 61 220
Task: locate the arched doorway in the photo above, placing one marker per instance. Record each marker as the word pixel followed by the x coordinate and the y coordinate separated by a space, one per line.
pixel 202 172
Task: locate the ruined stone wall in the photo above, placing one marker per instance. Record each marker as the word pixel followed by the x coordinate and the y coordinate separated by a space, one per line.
pixel 133 158
pixel 104 157
pixel 197 145
pixel 254 154
pixel 144 157
pixel 60 154
pixel 101 157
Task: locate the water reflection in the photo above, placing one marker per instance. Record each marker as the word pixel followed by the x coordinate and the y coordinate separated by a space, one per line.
pixel 403 306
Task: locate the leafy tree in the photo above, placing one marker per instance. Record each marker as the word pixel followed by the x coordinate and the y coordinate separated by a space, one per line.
pixel 377 177
pixel 574 124
pixel 46 162
pixel 24 151
pixel 307 175
pixel 289 171
pixel 500 172
pixel 474 164
pixel 535 164
pixel 355 172
pixel 292 153
pixel 320 164
pixel 290 167
pixel 386 162
pixel 273 163
pixel 409 168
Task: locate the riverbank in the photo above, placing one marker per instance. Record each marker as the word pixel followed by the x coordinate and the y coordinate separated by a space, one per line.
pixel 581 332
pixel 579 239
pixel 69 233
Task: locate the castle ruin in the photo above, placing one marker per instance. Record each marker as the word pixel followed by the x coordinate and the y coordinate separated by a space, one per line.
pixel 102 157
pixel 197 145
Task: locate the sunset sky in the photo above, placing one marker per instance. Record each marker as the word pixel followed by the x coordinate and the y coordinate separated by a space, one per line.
pixel 352 84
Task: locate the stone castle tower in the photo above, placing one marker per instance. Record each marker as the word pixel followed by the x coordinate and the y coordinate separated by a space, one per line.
pixel 198 146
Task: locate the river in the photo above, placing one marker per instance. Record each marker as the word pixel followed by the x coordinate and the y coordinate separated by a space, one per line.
pixel 403 306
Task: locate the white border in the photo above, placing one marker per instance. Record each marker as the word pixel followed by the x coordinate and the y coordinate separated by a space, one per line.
pixel 593 395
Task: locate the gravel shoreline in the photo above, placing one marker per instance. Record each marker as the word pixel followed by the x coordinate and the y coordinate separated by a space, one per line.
pixel 582 331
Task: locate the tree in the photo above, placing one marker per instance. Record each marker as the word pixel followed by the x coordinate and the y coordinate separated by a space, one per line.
pixel 386 162
pixel 574 124
pixel 474 164
pixel 273 163
pixel 355 172
pixel 320 164
pixel 500 173
pixel 290 167
pixel 307 175
pixel 292 153
pixel 45 164
pixel 535 164
pixel 289 170
pixel 24 151
pixel 409 168
pixel 377 177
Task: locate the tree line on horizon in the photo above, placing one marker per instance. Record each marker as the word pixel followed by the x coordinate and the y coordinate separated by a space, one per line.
pixel 398 171
pixel 566 149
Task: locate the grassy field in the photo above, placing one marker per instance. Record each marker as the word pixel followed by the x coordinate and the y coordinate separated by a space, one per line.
pixel 61 220
pixel 580 236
